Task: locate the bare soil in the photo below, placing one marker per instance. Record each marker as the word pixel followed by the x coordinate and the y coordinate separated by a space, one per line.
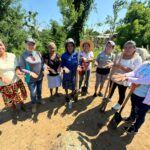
pixel 40 131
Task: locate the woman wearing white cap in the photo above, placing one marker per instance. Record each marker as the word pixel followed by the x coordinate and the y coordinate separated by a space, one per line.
pixel 69 65
pixel 32 65
pixel 104 62
pixel 129 61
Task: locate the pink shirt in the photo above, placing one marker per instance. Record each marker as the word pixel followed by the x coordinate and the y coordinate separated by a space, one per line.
pixel 142 80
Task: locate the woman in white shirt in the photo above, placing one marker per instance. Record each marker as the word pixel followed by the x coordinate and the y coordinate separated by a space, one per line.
pixel 86 57
pixel 129 61
pixel 11 87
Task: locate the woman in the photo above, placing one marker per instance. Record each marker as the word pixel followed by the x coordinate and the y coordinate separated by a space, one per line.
pixel 69 65
pixel 104 62
pixel 32 65
pixel 129 61
pixel 86 57
pixel 53 61
pixel 11 87
pixel 140 99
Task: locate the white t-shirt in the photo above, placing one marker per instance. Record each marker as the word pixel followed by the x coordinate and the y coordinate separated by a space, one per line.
pixel 129 63
pixel 88 55
pixel 7 68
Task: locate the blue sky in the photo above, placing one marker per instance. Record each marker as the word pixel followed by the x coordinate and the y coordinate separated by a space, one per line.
pixel 48 10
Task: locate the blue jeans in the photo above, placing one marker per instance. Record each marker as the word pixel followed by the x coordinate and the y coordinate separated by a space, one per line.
pixel 138 111
pixel 86 80
pixel 35 90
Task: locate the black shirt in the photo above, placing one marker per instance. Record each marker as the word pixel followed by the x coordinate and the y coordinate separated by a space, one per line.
pixel 53 64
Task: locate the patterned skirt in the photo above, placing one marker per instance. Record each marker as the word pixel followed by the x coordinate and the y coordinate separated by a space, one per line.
pixel 13 93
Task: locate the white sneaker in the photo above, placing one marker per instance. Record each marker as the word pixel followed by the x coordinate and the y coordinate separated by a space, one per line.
pixel 116 106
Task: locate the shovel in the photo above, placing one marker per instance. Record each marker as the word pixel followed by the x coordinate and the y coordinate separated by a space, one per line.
pixel 84 88
pixel 117 118
pixel 106 99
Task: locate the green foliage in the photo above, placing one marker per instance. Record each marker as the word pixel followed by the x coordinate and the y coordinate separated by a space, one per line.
pixel 136 25
pixel 11 27
pixel 112 21
pixel 75 14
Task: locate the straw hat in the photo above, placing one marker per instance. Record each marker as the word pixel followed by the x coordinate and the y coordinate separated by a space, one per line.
pixel 91 44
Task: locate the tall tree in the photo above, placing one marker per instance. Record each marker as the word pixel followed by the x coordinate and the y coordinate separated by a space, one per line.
pixel 112 21
pixel 75 14
pixel 136 25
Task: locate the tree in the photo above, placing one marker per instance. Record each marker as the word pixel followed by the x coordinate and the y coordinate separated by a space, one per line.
pixel 75 14
pixel 31 24
pixel 4 6
pixel 11 26
pixel 112 21
pixel 136 25
pixel 53 33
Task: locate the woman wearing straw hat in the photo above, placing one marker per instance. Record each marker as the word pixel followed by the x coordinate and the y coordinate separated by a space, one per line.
pixel 11 87
pixel 53 61
pixel 69 65
pixel 86 58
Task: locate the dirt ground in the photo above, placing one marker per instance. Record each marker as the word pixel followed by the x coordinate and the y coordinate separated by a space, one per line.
pixel 38 132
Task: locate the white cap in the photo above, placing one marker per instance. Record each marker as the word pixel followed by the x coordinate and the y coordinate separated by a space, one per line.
pixel 111 42
pixel 69 40
pixel 30 40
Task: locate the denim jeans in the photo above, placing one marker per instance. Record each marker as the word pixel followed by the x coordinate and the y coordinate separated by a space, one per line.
pixel 138 111
pixel 86 80
pixel 35 90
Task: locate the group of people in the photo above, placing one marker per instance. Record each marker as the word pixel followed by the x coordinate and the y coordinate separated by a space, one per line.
pixel 126 68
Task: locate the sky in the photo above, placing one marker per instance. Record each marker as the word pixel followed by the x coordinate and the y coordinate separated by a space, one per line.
pixel 48 10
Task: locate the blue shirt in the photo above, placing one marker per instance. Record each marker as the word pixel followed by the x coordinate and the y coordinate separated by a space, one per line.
pixel 70 61
pixel 143 89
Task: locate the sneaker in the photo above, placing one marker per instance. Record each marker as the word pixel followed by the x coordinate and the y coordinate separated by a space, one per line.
pixel 100 94
pixel 34 108
pixel 131 130
pixel 95 95
pixel 116 106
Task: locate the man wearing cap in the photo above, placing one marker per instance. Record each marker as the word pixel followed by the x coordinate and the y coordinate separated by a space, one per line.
pixel 32 65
